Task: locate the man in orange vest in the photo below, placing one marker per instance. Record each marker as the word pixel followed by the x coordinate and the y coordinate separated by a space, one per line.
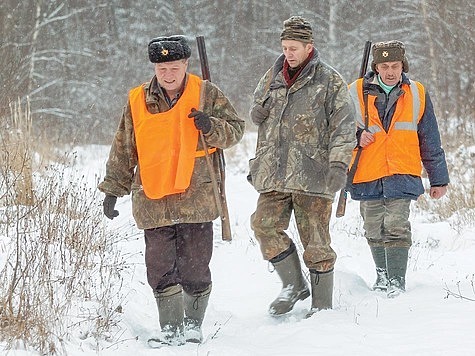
pixel 156 156
pixel 398 134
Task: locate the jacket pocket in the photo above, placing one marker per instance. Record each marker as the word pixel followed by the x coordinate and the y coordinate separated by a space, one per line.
pixel 314 168
pixel 261 167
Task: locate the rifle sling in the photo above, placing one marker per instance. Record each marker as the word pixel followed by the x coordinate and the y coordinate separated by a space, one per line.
pixel 352 172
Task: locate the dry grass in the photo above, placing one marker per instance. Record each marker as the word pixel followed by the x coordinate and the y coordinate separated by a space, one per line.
pixel 59 268
pixel 458 206
pixel 15 158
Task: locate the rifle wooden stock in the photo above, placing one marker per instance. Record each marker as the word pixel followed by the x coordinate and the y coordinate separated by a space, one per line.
pixel 218 187
pixel 225 223
pixel 341 205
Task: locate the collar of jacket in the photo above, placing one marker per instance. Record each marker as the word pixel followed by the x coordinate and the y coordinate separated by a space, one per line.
pixel 385 103
pixel 279 66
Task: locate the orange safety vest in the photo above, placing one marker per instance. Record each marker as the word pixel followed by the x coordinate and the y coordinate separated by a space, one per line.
pixel 166 141
pixel 396 151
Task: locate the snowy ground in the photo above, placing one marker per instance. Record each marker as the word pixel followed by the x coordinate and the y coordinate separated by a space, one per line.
pixel 426 320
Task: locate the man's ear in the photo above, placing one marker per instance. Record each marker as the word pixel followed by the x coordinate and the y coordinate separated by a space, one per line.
pixel 374 68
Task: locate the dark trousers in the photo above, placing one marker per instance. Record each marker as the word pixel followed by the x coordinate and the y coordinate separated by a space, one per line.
pixel 179 254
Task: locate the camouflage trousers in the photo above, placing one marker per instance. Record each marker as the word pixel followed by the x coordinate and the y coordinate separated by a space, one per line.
pixel 386 222
pixel 312 216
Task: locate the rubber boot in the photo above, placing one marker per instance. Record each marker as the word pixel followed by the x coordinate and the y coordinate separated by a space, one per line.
pixel 171 314
pixel 322 291
pixel 396 261
pixel 195 308
pixel 294 287
pixel 379 257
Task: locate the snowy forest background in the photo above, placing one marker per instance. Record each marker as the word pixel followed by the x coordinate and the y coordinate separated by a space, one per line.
pixel 66 67
pixel 75 60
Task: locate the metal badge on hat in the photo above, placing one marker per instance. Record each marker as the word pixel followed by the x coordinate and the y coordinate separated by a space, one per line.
pixel 164 52
pixel 385 54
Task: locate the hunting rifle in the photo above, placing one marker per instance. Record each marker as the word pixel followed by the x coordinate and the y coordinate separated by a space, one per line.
pixel 218 187
pixel 341 206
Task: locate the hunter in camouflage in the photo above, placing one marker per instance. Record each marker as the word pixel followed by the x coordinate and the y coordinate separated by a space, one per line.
pixel 158 123
pixel 306 134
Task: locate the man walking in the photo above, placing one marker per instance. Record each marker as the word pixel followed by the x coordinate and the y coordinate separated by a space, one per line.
pixel 157 156
pixel 398 134
pixel 306 134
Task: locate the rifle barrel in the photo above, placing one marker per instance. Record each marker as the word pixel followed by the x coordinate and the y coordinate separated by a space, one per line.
pixel 341 205
pixel 218 187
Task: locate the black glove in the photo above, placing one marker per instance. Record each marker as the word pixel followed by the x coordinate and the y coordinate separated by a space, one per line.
pixel 202 121
pixel 259 113
pixel 109 205
pixel 336 177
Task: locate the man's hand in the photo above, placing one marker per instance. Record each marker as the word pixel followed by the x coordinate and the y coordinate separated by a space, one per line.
pixel 202 120
pixel 259 113
pixel 437 192
pixel 336 177
pixel 109 205
pixel 366 138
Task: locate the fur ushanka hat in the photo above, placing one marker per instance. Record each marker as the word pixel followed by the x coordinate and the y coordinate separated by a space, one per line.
pixel 167 49
pixel 390 51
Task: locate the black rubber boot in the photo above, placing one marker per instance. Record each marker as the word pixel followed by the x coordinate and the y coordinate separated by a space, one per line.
pixel 294 287
pixel 195 309
pixel 379 257
pixel 396 260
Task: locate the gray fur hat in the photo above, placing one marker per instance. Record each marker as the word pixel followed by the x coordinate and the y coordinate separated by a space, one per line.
pixel 167 49
pixel 390 51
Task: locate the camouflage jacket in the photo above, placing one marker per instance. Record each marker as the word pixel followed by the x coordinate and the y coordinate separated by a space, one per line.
pixel 197 203
pixel 309 125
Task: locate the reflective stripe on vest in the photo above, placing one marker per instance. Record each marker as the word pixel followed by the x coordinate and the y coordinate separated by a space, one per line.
pixel 166 141
pixel 395 151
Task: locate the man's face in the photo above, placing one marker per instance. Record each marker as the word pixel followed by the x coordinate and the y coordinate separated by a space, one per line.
pixel 390 72
pixel 170 75
pixel 296 52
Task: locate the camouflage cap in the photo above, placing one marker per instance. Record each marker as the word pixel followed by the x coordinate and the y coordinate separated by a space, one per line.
pixel 390 51
pixel 167 49
pixel 297 28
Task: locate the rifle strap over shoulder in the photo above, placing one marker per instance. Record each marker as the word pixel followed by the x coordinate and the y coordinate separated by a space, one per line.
pixel 268 82
pixel 352 172
pixel 365 103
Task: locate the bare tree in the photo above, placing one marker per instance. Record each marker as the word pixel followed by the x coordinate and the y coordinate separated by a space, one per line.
pixel 77 59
